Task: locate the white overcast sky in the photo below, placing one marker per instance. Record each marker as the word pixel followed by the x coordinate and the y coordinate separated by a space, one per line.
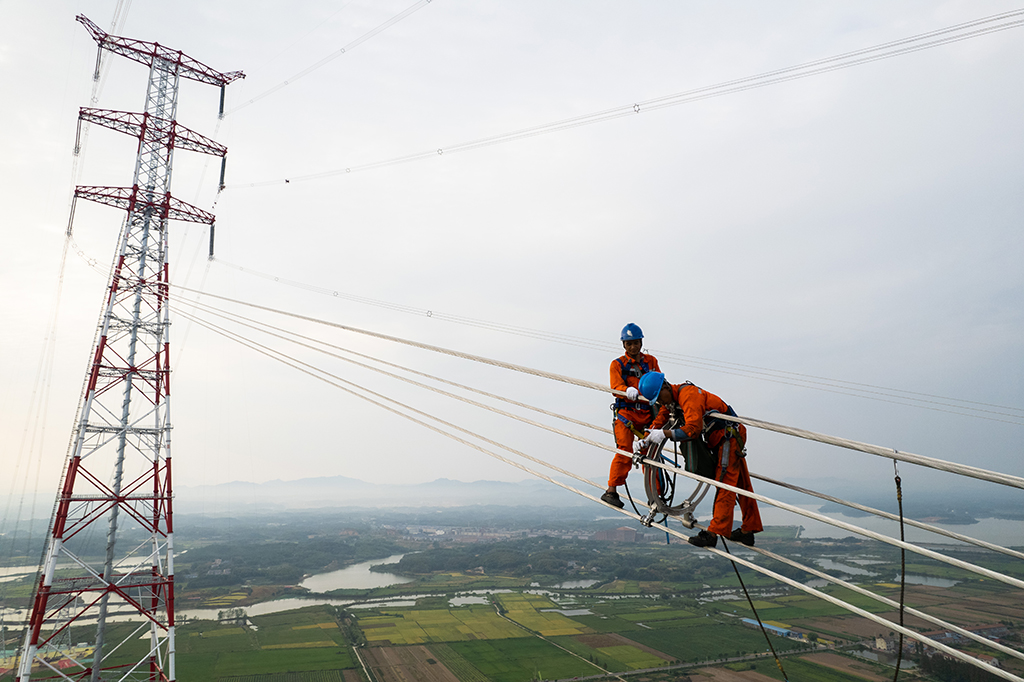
pixel 862 225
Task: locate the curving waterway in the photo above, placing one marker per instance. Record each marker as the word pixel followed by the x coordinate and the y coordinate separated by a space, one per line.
pixel 357 576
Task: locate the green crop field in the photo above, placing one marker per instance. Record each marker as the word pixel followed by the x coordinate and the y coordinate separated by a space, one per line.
pixel 517 660
pixel 654 614
pixel 419 626
pixel 235 664
pixel 632 657
pixel 713 640
pixel 524 609
pixel 795 607
pixel 463 669
pixel 607 624
pixel 617 658
pixel 805 671
pixel 292 646
pixel 308 676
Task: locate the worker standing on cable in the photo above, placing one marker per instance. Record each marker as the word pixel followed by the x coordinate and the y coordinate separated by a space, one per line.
pixel 726 440
pixel 631 415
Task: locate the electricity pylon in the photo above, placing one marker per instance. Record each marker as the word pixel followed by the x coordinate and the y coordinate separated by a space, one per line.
pixel 119 461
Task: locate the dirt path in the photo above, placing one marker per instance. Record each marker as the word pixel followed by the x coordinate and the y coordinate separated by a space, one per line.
pixel 406 664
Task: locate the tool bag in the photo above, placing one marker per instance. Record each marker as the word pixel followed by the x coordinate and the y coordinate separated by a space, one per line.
pixel 698 457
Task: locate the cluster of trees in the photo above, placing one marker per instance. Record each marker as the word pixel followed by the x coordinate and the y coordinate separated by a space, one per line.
pixel 544 556
pixel 952 670
pixel 277 562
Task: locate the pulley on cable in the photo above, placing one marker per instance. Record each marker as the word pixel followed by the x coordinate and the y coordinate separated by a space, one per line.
pixel 691 454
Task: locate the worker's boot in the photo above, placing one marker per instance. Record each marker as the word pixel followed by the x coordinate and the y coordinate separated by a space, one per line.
pixel 612 498
pixel 704 539
pixel 744 538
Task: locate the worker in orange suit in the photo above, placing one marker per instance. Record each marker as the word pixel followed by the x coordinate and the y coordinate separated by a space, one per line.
pixel 632 415
pixel 725 439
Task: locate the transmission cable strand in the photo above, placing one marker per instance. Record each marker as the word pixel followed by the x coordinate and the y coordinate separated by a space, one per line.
pixel 441 392
pixel 327 377
pixel 836 386
pixel 893 517
pixel 426 346
pixel 888 453
pixel 764 373
pixel 262 326
pixel 819 517
pixel 853 505
pixel 973 568
pixel 889 602
pixel 846 60
pixel 952 652
pixel 355 43
pixel 955 653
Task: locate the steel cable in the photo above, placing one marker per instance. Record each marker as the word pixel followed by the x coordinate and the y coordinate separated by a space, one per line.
pixel 893 517
pixel 755 371
pixel 675 469
pixel 845 60
pixel 330 379
pixel 888 453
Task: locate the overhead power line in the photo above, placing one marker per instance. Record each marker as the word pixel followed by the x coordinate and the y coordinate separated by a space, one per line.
pixel 960 406
pixel 895 48
pixel 446 428
pixel 887 453
pixel 334 55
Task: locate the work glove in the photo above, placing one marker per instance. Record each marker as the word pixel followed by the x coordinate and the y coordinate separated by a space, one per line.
pixel 632 393
pixel 639 445
pixel 655 437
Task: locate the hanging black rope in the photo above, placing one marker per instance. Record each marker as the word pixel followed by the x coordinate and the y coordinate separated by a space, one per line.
pixel 903 568
pixel 750 601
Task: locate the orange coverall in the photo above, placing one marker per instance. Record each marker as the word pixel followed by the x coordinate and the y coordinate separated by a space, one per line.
pixel 695 402
pixel 623 373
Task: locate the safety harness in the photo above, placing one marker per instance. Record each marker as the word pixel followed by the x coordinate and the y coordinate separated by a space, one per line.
pixel 635 369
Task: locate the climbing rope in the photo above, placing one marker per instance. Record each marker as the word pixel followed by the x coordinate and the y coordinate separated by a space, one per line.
pixel 750 601
pixel 903 568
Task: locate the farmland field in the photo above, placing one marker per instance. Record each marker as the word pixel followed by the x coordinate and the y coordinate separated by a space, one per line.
pixel 524 609
pixel 798 668
pixel 711 641
pixel 613 652
pixel 397 664
pixel 420 626
pixel 516 660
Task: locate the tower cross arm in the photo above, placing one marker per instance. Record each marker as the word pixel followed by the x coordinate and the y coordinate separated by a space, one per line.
pixel 145 52
pixel 132 199
pixel 136 125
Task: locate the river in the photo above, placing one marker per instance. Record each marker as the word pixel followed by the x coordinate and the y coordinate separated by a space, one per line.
pixel 355 577
pixel 1003 532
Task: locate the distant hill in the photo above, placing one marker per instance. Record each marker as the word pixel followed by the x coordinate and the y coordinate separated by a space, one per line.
pixel 341 491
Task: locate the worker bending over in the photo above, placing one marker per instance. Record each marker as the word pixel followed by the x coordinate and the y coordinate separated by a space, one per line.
pixel 726 440
pixel 631 415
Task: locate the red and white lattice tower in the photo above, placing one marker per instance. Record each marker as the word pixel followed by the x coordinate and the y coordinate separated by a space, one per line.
pixel 118 469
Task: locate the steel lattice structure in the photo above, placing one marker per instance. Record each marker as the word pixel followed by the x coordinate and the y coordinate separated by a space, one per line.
pixel 117 475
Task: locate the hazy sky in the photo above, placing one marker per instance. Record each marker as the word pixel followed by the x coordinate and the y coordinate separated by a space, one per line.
pixel 862 225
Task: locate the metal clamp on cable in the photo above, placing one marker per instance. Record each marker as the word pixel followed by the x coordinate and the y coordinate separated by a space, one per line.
pixel 649 519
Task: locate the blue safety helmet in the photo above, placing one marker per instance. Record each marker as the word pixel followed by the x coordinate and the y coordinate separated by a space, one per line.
pixel 631 332
pixel 650 385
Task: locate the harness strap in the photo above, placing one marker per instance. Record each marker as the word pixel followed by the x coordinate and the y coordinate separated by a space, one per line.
pixel 634 369
pixel 629 425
